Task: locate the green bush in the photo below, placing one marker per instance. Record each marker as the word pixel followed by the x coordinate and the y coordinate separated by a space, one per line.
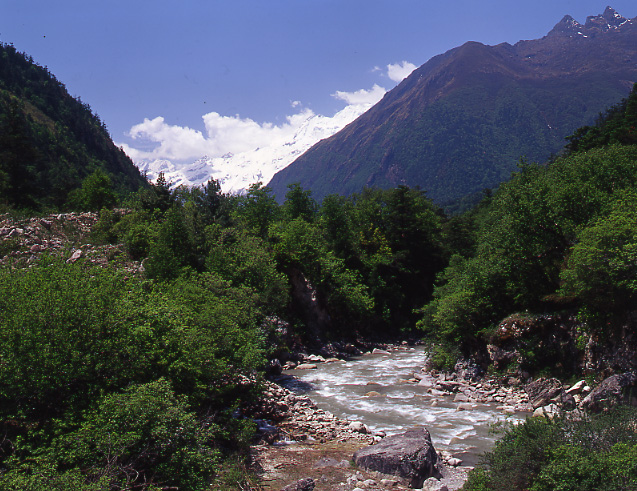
pixel 602 267
pixel 573 468
pixel 42 475
pixel 245 260
pixel 146 436
pixel 96 193
pixel 572 453
pixel 82 349
pixel 103 232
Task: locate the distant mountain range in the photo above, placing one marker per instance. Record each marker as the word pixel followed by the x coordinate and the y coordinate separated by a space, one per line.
pixel 237 171
pixel 461 122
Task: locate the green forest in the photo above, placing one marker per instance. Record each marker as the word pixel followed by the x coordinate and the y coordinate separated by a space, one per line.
pixel 113 380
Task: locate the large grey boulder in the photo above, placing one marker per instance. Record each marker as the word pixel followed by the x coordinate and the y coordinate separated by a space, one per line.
pixel 614 389
pixel 543 392
pixel 410 455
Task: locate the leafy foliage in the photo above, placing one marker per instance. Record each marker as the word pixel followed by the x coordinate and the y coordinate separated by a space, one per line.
pixel 591 453
pixel 526 234
pixel 71 334
pixel 147 429
pixel 96 193
pixel 602 267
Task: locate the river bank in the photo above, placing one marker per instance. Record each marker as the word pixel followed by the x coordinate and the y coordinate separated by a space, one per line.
pixel 385 391
pixel 319 434
pixel 308 442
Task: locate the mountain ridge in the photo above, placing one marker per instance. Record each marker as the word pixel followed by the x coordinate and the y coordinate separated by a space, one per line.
pixel 550 86
pixel 49 140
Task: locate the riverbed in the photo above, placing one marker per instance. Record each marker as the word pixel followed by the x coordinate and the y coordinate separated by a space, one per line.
pixel 343 389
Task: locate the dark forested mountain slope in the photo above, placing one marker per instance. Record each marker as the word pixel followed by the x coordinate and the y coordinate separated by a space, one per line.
pixel 50 141
pixel 460 123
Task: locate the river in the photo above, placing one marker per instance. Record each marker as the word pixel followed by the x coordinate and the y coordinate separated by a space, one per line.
pixel 341 387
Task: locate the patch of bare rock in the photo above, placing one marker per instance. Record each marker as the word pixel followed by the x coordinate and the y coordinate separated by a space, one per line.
pixel 24 241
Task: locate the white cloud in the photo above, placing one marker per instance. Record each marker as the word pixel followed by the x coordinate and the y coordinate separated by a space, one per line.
pixel 155 139
pixel 223 135
pixel 371 96
pixel 399 71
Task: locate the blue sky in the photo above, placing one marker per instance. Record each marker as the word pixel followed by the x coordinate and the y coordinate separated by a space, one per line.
pixel 180 60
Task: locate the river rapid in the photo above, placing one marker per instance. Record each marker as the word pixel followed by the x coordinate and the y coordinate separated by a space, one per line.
pixel 341 389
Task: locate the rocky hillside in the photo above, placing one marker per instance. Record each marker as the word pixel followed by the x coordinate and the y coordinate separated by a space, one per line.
pixel 461 122
pixel 24 242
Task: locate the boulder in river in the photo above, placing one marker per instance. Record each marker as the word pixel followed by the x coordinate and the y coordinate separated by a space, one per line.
pixel 358 427
pixel 410 455
pixel 377 351
pixel 433 484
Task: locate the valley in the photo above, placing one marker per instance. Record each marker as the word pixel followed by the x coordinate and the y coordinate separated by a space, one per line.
pixel 462 252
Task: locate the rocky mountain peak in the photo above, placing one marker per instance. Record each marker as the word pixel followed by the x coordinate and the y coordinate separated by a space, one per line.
pixel 608 20
pixel 567 25
pixel 429 130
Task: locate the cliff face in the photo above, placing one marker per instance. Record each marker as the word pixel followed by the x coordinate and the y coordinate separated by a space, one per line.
pixel 524 344
pixel 460 123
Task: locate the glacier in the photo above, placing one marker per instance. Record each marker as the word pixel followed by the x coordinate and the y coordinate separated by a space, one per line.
pixel 236 172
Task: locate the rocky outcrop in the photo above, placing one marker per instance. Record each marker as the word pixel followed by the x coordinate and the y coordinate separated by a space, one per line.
pixel 410 455
pixel 524 344
pixel 543 392
pixel 613 354
pixel 613 390
pixel 527 343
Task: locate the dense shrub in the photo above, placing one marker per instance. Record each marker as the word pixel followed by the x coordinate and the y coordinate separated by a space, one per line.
pixel 572 453
pixel 571 222
pixel 123 380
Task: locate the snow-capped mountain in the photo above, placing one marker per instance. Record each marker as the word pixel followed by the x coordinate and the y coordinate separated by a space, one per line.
pixel 236 172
